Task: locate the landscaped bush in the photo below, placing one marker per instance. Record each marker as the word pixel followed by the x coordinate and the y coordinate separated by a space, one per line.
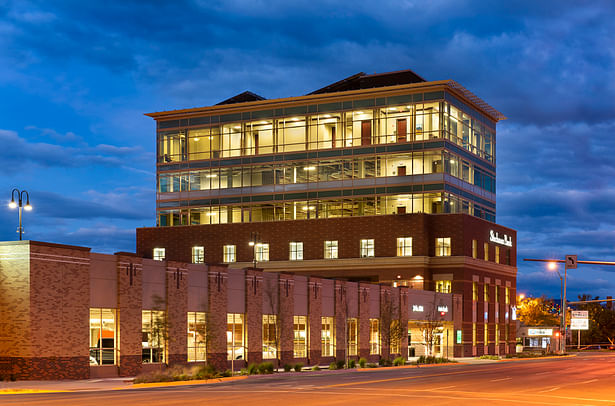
pixel 252 369
pixel 298 366
pixel 352 363
pixel 399 361
pixel 430 359
pixel 226 373
pixel 384 362
pixel 315 368
pixel 494 357
pixel 180 373
pixel 362 362
pixel 265 368
pixel 340 364
pixel 333 366
pixel 287 367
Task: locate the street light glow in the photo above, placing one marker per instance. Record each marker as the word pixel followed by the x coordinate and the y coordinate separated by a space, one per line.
pixel 552 266
pixel 28 207
pixel 12 204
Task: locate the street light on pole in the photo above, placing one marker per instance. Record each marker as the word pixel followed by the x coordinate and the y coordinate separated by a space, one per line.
pixel 553 267
pixel 254 242
pixel 19 204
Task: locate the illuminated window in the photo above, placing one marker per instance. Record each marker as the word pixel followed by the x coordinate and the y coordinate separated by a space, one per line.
pixel 353 336
pixel 327 336
pixel 331 250
pixel 486 334
pixel 300 336
pixel 196 336
pixel 497 334
pixel 486 251
pixel 473 333
pixel 475 291
pixel 295 251
pixel 404 246
pixel 394 337
pixel 486 293
pixel 507 295
pixel 374 336
pixel 443 247
pixel 103 336
pixel 262 252
pixel 159 254
pixel 443 286
pixel 155 330
pixel 270 336
pixel 497 255
pixel 474 249
pixel 235 339
pixel 497 294
pixel 228 253
pixel 367 248
pixel 198 255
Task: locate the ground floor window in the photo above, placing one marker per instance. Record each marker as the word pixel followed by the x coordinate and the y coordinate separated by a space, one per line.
pixel 154 329
pixel 197 334
pixel 270 336
pixel 327 334
pixel 235 337
pixel 103 336
pixel 300 336
pixel 486 334
pixel 374 336
pixel 473 333
pixel 353 336
pixel 497 334
pixel 395 333
pixel 443 286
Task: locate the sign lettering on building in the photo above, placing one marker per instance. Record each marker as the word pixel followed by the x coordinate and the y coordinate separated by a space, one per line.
pixel 443 309
pixel 506 240
pixel 417 308
pixel 539 331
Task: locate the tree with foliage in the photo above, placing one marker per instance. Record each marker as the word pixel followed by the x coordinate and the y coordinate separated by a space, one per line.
pixel 601 322
pixel 536 311
pixel 431 326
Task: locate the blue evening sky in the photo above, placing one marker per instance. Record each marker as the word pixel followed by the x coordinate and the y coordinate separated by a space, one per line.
pixel 77 76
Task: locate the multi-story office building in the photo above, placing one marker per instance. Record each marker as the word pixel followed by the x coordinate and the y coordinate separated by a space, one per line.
pixel 386 178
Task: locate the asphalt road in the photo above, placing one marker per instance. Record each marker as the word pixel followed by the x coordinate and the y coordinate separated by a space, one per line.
pixel 587 379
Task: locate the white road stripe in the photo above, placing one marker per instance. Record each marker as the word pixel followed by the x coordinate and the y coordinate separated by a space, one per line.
pixel 549 390
pixel 590 381
pixel 501 379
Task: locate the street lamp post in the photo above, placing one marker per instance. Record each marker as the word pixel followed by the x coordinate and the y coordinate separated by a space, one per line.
pixel 19 204
pixel 562 307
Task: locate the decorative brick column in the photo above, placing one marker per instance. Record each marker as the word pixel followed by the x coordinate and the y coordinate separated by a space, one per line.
pixel 287 306
pixel 364 293
pixel 403 319
pixel 217 324
pixel 315 320
pixel 177 308
pixel 389 311
pixel 130 303
pixel 254 315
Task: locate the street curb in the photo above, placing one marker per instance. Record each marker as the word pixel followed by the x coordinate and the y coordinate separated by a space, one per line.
pixel 410 366
pixel 31 391
pixel 537 358
pixel 183 383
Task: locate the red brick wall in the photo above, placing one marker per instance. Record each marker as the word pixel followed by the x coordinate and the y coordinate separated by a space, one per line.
pixel 315 315
pixel 254 315
pixel 217 324
pixel 130 293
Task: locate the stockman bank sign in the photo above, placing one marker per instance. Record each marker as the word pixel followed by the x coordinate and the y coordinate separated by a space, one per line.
pixel 495 237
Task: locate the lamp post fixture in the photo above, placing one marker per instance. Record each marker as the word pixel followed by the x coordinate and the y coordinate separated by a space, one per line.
pixel 19 204
pixel 562 308
pixel 255 240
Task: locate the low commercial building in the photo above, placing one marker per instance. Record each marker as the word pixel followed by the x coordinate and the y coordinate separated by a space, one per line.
pixel 68 313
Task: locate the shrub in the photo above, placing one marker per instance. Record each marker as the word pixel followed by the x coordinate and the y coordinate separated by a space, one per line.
pixel 333 366
pixel 287 367
pixel 206 372
pixel 352 363
pixel 494 357
pixel 315 368
pixel 226 373
pixel 298 366
pixel 340 364
pixel 265 368
pixel 384 362
pixel 362 362
pixel 399 361
pixel 430 359
pixel 253 369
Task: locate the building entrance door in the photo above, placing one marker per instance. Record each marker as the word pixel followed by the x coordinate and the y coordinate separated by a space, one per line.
pixel 437 348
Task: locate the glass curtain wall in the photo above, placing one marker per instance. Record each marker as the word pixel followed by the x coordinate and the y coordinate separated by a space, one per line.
pixel 197 336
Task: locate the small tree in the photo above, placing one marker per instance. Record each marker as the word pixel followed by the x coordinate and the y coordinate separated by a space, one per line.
pixel 430 327
pixel 392 331
pixel 160 327
pixel 537 312
pixel 271 292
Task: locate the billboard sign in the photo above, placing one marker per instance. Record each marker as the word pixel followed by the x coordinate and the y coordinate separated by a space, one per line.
pixel 579 324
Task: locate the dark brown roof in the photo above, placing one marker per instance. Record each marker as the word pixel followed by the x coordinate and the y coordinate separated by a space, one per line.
pixel 242 98
pixel 362 80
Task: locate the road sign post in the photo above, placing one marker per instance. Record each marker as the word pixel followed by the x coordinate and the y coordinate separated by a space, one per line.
pixel 571 263
pixel 579 320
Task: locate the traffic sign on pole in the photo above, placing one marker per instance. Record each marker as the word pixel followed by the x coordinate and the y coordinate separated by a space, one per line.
pixel 571 261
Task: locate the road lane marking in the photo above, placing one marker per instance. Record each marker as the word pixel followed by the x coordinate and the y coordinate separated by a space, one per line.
pixel 542 373
pixel 590 381
pixel 549 390
pixel 408 377
pixel 501 379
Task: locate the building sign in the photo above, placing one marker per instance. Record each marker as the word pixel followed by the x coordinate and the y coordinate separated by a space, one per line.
pixel 443 309
pixel 417 308
pixel 494 236
pixel 579 320
pixel 539 331
pixel 579 324
pixel 458 336
pixel 513 312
